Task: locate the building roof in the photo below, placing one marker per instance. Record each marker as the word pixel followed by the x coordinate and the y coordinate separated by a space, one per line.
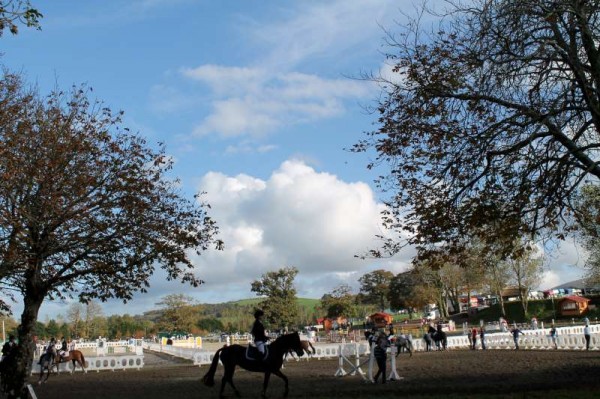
pixel 574 298
pixel 580 284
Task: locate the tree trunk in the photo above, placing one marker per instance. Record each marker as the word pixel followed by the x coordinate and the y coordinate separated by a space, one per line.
pixel 26 350
pixel 501 302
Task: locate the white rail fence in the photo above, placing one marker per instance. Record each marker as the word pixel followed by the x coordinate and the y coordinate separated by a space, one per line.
pixel 115 355
pixel 569 338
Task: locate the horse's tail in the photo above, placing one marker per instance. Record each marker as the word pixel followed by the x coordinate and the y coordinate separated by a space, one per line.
pixel 82 360
pixel 209 377
pixel 314 351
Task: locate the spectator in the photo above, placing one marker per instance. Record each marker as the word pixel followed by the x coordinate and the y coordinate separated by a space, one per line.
pixel 515 333
pixel 586 334
pixel 554 335
pixel 474 338
pixel 8 346
pixel 482 336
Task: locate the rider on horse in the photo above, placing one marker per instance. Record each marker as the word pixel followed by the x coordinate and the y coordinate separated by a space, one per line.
pixel 49 352
pixel 258 332
pixel 64 350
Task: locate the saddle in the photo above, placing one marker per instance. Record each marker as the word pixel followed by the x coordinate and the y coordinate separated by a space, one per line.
pixel 253 354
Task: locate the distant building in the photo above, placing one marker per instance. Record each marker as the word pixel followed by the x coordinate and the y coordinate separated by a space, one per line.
pixel 577 287
pixel 573 305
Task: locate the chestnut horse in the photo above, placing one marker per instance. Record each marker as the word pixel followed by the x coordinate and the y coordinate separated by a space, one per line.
pixel 74 356
pixel 235 355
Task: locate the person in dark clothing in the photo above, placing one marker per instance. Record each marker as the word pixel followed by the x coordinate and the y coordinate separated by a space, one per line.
pixel 380 352
pixel 64 350
pixel 8 346
pixel 515 333
pixel 258 331
pixel 482 336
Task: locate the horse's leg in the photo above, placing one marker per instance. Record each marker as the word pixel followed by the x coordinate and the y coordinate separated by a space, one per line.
pixel 228 377
pixel 266 383
pixel 279 374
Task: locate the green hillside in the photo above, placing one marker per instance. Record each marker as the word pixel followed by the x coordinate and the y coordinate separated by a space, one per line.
pixel 238 315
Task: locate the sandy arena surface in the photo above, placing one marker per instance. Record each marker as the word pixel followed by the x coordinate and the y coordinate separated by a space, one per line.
pixel 454 374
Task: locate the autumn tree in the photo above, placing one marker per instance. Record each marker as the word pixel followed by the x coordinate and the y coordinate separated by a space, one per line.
pixel 86 208
pixel 280 305
pixel 339 303
pixel 94 322
pixel 526 267
pixel 179 312
pixel 588 233
pixel 75 318
pixel 491 114
pixel 401 293
pixel 14 12
pixel 374 286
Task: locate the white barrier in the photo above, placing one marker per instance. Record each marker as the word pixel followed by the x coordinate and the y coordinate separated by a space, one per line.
pixel 569 338
pixel 345 352
pixel 111 363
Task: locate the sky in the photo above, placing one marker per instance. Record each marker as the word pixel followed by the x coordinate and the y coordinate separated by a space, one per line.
pixel 257 104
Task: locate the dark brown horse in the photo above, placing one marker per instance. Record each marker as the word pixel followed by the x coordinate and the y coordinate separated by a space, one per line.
pixel 236 355
pixel 74 356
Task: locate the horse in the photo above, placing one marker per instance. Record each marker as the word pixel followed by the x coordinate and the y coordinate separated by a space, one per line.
pixel 402 342
pixel 237 355
pixel 440 339
pixel 74 356
pixel 47 363
pixel 306 346
pixel 428 342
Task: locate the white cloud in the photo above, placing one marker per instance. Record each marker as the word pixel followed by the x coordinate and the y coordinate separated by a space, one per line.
pixel 323 29
pixel 249 101
pixel 298 217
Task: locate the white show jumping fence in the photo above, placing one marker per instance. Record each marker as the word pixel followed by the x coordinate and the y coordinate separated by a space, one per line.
pixel 569 338
pixel 116 355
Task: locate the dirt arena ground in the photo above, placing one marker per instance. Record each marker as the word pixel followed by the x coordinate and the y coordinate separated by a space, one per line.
pixel 451 374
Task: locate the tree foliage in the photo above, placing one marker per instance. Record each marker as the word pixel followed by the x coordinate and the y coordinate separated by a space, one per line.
pixel 374 287
pixel 588 212
pixel 14 12
pixel 493 116
pixel 402 290
pixel 280 306
pixel 339 303
pixel 526 271
pixel 85 205
pixel 180 313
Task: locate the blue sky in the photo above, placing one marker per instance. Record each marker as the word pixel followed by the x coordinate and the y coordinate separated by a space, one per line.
pixel 256 103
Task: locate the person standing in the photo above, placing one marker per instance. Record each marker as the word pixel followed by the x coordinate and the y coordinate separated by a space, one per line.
pixel 515 333
pixel 8 346
pixel 380 353
pixel 586 334
pixel 553 336
pixel 474 338
pixel 482 336
pixel 258 332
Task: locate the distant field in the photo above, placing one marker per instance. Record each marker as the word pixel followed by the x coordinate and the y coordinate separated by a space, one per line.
pixel 307 303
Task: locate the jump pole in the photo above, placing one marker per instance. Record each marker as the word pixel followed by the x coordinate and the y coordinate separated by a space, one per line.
pixel 355 367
